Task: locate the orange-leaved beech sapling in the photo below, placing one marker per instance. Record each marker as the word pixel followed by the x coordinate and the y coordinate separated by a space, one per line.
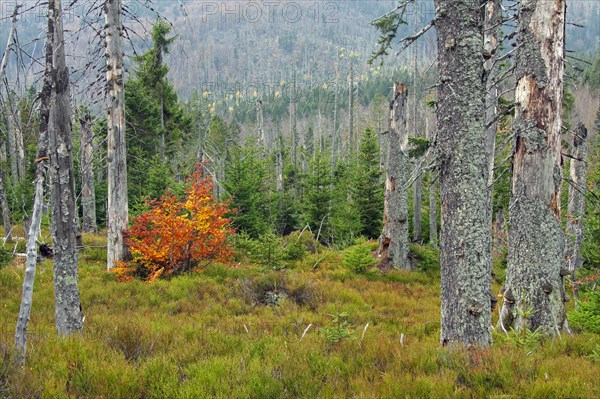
pixel 178 234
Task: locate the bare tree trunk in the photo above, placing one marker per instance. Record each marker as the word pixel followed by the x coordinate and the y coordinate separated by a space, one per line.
pixel 118 213
pixel 6 223
pixel 38 199
pixel 433 214
pixel 417 200
pixel 294 132
pixel 465 237
pixel 86 164
pixel 260 128
pixel 3 158
pixel 279 165
pixel 393 243
pixel 534 292
pixel 353 138
pixel 15 144
pixel 69 318
pixel 10 40
pixel 576 207
pixel 14 134
pixel 418 183
pixel 493 17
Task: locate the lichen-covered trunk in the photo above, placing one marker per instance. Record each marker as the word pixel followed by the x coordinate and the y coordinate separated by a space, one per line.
pixel 534 293
pixel 393 243
pixel 62 183
pixel 576 207
pixel 461 146
pixel 38 199
pixel 118 214
pixel 86 165
pixel 493 17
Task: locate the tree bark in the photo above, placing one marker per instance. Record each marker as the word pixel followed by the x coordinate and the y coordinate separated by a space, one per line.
pixel 64 215
pixel 576 207
pixel 41 170
pixel 118 214
pixel 461 145
pixel 534 293
pixel 393 243
pixel 86 164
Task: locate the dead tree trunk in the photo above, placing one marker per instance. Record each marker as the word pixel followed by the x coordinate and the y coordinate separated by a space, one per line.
pixel 418 183
pixel 576 207
pixel 15 143
pixel 3 199
pixel 118 214
pixel 433 214
pixel 260 128
pixel 493 17
pixel 38 199
pixel 294 132
pixel 86 165
pixel 64 215
pixel 3 158
pixel 465 238
pixel 534 294
pixel 393 243
pixel 14 134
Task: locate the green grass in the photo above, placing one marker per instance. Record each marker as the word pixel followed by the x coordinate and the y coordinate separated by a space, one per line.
pixel 209 335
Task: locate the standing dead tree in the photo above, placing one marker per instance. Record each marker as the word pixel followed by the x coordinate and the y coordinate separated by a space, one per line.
pixel 118 213
pixel 576 207
pixel 86 162
pixel 534 292
pixel 65 225
pixel 40 179
pixel 393 243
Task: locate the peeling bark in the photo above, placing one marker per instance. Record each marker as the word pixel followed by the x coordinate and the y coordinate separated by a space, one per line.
pixel 393 243
pixel 64 216
pixel 86 164
pixel 534 291
pixel 118 213
pixel 461 145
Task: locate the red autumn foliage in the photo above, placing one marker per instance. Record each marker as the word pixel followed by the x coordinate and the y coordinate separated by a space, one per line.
pixel 178 234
